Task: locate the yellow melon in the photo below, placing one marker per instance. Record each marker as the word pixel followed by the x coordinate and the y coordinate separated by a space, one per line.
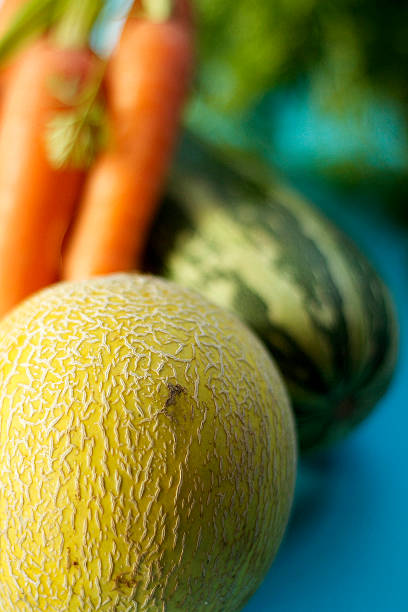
pixel 147 452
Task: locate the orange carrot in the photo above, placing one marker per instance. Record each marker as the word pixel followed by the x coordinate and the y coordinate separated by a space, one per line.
pixel 8 9
pixel 147 82
pixel 36 197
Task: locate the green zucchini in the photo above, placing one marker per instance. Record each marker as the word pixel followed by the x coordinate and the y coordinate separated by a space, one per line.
pixel 250 244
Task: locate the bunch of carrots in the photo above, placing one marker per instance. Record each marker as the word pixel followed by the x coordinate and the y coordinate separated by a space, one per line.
pixel 85 143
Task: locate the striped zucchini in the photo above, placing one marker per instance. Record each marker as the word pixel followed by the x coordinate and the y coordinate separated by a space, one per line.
pixel 255 247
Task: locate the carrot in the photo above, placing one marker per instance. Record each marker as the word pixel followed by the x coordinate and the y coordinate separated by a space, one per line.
pixel 36 196
pixel 8 9
pixel 147 82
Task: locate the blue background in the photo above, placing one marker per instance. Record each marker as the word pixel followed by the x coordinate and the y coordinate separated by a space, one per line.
pixel 346 546
pixel 347 542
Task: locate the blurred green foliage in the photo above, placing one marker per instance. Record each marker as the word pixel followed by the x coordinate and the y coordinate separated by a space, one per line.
pixel 350 58
pixel 350 48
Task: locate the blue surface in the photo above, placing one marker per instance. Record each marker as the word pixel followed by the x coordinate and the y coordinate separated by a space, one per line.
pixel 347 541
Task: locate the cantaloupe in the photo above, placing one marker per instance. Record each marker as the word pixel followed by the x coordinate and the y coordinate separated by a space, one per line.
pixel 147 452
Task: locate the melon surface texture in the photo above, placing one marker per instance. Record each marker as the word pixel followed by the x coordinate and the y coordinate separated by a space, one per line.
pixel 147 452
